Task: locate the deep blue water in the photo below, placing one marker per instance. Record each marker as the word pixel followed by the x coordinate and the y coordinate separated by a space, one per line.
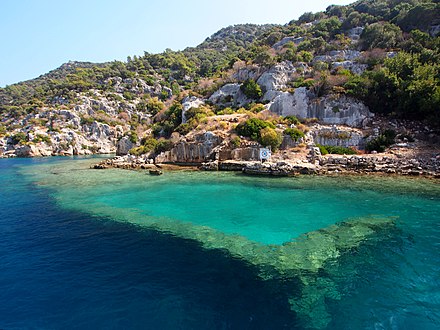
pixel 64 269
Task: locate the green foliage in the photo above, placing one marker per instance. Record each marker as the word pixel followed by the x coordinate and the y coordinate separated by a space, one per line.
pixel 151 144
pixel 236 142
pixel 336 150
pixel 163 145
pixel 270 137
pixel 152 106
pixel 252 128
pixel 256 107
pixel 381 35
pixel 292 120
pixel 404 86
pixel 251 89
pixel 294 133
pixel 137 151
pixel 42 138
pixel 327 28
pixel 419 17
pixel 197 114
pixel 19 138
pixel 133 137
pixel 172 119
pixel 383 141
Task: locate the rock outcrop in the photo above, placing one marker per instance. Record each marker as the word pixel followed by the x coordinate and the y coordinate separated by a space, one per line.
pixel 198 150
pixel 338 136
pixel 188 103
pixel 230 95
pixel 124 145
pixel 339 110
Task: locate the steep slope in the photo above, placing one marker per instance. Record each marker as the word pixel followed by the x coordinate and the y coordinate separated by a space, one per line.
pixel 336 67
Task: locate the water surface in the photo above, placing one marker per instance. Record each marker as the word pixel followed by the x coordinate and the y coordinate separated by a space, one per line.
pixel 114 248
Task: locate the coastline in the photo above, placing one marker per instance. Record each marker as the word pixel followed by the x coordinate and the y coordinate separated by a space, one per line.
pixel 328 166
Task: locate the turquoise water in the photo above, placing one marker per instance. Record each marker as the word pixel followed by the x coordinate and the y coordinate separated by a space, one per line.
pixel 386 281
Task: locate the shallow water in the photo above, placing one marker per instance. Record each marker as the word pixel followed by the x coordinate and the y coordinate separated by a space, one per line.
pixel 114 248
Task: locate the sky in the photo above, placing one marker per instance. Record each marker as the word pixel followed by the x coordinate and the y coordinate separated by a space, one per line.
pixel 39 35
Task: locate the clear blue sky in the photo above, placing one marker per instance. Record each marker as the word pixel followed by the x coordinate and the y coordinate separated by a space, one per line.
pixel 40 35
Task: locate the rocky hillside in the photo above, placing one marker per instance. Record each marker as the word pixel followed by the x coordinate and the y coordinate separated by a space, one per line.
pixel 353 79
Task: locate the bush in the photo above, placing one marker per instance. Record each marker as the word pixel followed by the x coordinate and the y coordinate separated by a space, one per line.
pixel 42 138
pixel 236 142
pixel 294 133
pixel 19 138
pixel 133 137
pixel 252 127
pixel 270 137
pixel 382 142
pixel 251 89
pixel 336 150
pixel 138 151
pixel 292 120
pixel 163 145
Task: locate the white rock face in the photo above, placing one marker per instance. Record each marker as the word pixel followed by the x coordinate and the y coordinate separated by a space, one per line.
pixel 329 110
pixel 277 77
pixel 190 102
pixel 434 31
pixel 354 67
pixel 338 55
pixel 246 73
pixel 355 33
pixel 287 104
pixel 229 94
pixel 196 151
pixel 340 110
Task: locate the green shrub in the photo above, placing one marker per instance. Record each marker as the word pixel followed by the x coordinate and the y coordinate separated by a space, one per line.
pixel 292 120
pixel 163 145
pixel 251 89
pixel 252 127
pixel 236 142
pixel 19 138
pixel 133 137
pixel 128 95
pixel 137 151
pixel 336 150
pixel 270 137
pixel 42 138
pixel 383 141
pixel 294 133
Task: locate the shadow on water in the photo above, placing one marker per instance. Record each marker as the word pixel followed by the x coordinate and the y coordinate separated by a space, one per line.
pixel 63 269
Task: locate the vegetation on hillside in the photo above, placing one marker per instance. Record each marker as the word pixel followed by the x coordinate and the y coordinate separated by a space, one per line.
pixel 402 77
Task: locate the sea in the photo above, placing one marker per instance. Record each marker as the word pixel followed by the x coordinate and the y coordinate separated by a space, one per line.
pixel 121 249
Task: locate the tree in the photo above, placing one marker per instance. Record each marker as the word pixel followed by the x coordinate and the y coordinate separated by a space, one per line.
pixel 381 35
pixel 270 137
pixel 251 89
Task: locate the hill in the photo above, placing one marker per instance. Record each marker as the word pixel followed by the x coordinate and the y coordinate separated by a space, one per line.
pixel 370 68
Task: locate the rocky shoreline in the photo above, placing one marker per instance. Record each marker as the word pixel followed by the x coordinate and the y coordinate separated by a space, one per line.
pixel 320 165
